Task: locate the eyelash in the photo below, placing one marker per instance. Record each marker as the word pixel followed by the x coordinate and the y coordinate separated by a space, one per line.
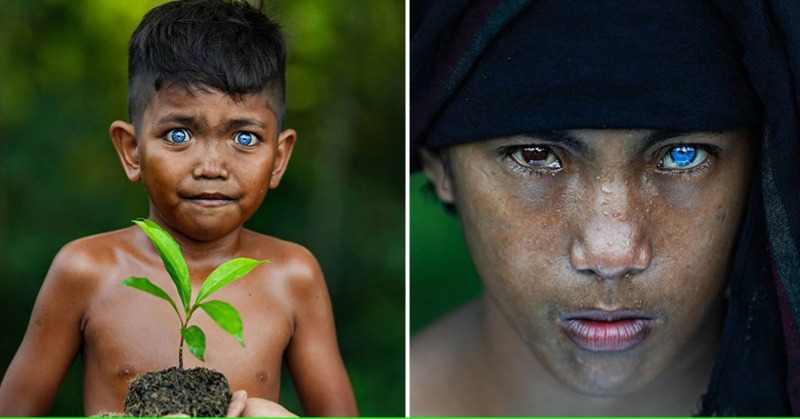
pixel 712 152
pixel 188 137
pixel 255 139
pixel 507 153
pixel 186 133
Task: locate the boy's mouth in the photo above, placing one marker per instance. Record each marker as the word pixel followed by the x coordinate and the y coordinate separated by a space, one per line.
pixel 211 199
pixel 601 331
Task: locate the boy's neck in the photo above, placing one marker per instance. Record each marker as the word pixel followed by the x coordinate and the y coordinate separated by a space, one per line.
pixel 517 382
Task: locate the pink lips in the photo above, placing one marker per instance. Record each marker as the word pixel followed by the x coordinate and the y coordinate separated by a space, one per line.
pixel 603 331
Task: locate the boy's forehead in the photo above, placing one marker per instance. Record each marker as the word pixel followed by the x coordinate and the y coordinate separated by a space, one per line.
pixel 209 104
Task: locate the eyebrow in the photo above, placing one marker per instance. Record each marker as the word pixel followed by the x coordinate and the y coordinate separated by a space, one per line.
pixel 202 125
pixel 660 136
pixel 179 118
pixel 657 136
pixel 561 138
pixel 243 123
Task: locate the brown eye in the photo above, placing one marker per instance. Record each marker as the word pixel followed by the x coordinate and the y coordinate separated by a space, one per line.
pixel 536 157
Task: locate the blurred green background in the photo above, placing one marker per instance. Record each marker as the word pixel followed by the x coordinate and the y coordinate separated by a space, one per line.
pixel 442 276
pixel 63 80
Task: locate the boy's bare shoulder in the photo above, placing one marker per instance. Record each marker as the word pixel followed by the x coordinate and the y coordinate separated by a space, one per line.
pixel 80 265
pixel 89 256
pixel 291 262
pixel 441 378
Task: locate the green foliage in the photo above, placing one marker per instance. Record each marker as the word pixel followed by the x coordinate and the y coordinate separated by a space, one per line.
pixel 225 274
pixel 195 340
pixel 226 317
pixel 443 276
pixel 221 312
pixel 145 285
pixel 171 255
pixel 63 80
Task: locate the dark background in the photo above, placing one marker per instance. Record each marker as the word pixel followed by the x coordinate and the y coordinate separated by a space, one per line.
pixel 63 80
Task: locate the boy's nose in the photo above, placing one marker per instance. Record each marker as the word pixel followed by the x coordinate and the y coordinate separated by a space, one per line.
pixel 611 242
pixel 210 164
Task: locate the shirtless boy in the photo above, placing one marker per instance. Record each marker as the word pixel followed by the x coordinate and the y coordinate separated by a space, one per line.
pixel 603 159
pixel 206 101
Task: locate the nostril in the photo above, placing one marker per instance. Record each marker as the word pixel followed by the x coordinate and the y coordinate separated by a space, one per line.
pixel 615 272
pixel 599 259
pixel 210 170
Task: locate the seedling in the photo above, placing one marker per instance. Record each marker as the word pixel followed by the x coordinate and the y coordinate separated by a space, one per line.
pixel 221 312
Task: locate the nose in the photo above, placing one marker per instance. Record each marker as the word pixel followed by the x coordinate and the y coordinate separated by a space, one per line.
pixel 611 242
pixel 210 163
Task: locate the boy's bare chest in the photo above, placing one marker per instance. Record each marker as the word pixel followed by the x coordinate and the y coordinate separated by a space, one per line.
pixel 127 332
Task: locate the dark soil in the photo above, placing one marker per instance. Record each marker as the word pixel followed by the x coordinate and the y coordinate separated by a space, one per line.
pixel 197 392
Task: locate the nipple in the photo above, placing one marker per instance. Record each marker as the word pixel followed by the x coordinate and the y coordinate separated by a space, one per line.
pixel 126 371
pixel 262 376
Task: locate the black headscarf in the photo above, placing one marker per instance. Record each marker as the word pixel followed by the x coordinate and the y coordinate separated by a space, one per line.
pixel 490 68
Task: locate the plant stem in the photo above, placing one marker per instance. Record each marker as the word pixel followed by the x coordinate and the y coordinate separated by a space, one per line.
pixel 180 355
pixel 180 347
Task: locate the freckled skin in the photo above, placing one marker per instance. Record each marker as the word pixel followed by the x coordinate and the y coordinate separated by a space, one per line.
pixel 121 332
pixel 608 231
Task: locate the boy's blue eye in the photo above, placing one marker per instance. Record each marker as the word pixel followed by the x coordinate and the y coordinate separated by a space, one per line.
pixel 245 139
pixel 178 136
pixel 683 157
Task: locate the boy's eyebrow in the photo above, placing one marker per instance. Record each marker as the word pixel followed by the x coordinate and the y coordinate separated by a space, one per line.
pixel 575 143
pixel 202 125
pixel 660 136
pixel 579 145
pixel 242 123
pixel 179 118
pixel 560 138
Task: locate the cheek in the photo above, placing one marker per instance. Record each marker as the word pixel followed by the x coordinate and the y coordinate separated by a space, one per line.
pixel 161 175
pixel 700 220
pixel 693 231
pixel 694 243
pixel 515 234
pixel 255 171
pixel 254 179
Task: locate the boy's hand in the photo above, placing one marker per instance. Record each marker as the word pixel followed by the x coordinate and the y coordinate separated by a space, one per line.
pixel 241 406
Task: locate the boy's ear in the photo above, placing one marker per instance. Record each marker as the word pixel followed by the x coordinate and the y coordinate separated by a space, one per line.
pixel 123 135
pixel 283 152
pixel 437 173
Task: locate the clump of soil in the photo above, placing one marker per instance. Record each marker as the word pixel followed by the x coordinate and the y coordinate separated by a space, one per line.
pixel 197 392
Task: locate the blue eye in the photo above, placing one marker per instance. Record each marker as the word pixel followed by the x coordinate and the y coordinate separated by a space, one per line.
pixel 683 157
pixel 245 139
pixel 178 136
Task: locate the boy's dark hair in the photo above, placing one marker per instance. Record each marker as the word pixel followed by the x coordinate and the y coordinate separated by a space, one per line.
pixel 229 46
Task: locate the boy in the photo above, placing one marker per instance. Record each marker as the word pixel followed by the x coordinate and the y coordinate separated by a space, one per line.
pixel 206 100
pixel 603 161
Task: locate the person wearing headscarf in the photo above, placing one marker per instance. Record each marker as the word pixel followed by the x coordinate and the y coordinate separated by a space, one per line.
pixel 626 177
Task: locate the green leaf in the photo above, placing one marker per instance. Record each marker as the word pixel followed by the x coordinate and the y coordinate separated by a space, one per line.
pixel 225 274
pixel 196 341
pixel 171 255
pixel 226 317
pixel 145 285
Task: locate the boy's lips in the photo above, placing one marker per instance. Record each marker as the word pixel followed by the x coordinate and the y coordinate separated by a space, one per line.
pixel 211 199
pixel 602 331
